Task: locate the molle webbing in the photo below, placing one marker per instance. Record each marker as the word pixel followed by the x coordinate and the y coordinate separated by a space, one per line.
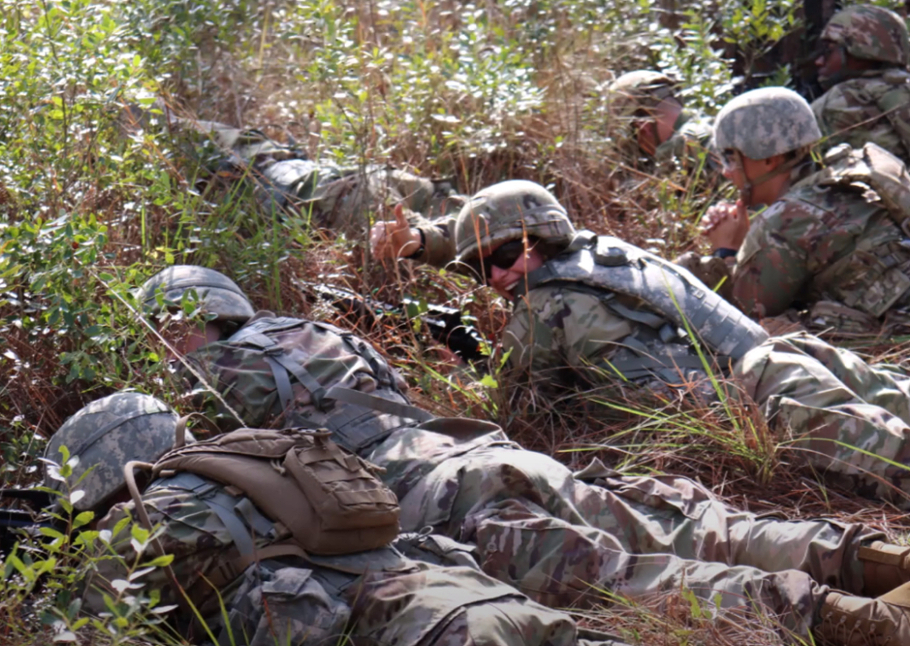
pixel 366 419
pixel 615 266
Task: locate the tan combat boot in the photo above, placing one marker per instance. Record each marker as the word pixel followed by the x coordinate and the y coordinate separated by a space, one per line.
pixel 857 621
pixel 885 567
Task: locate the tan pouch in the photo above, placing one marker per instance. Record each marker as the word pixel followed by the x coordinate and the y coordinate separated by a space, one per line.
pixel 826 315
pixel 329 500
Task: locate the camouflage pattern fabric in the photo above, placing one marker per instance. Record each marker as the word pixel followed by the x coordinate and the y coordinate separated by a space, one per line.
pixel 823 244
pixel 566 336
pixel 689 148
pixel 870 33
pixel 378 596
pixel 438 239
pixel 874 107
pixel 346 203
pixel 563 538
pixel 331 197
pixel 246 380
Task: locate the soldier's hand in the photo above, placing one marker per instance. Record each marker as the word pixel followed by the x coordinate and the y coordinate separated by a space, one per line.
pixel 394 239
pixel 726 225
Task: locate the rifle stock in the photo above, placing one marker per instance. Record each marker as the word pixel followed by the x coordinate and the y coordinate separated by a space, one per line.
pixel 444 323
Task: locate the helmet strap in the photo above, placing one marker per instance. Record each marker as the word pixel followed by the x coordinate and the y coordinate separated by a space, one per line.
pixel 745 192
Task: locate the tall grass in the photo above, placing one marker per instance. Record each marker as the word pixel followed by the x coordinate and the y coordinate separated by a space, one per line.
pixel 477 91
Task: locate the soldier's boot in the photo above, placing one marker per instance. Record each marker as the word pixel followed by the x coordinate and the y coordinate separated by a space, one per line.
pixel 885 567
pixel 847 620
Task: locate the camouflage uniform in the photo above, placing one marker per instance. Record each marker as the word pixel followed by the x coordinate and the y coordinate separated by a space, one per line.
pixel 689 147
pixel 828 243
pixel 636 95
pixel 869 108
pixel 504 489
pixel 869 105
pixel 379 596
pixel 827 248
pixel 329 196
pixel 563 538
pixel 554 535
pixel 816 397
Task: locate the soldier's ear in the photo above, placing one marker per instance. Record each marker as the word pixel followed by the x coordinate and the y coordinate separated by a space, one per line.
pixel 770 163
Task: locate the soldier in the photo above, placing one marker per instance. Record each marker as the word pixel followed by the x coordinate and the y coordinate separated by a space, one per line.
pixel 271 591
pixel 674 137
pixel 286 180
pixel 863 65
pixel 831 241
pixel 644 103
pixel 556 537
pixel 596 310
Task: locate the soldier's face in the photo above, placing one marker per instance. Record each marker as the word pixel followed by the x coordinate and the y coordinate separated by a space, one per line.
pixel 509 263
pixel 830 61
pixel 184 336
pixel 647 136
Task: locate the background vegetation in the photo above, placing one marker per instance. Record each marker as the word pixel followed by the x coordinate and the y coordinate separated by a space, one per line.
pixel 477 91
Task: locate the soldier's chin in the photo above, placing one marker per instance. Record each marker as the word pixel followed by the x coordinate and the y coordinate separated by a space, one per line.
pixel 827 82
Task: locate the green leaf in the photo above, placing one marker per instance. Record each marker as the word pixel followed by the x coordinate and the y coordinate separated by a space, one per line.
pixel 161 561
pixel 83 519
pixel 489 382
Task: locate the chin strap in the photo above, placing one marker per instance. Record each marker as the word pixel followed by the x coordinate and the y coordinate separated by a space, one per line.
pixel 745 193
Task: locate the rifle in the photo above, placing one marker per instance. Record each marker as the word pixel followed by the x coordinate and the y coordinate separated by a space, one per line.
pixel 32 518
pixel 446 324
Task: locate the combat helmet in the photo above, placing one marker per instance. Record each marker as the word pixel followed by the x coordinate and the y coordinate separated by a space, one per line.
pixel 763 123
pixel 509 211
pixel 766 122
pixel 870 33
pixel 218 294
pixel 639 90
pixel 107 434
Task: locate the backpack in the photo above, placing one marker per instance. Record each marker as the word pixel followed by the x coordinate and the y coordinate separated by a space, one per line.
pixel 321 498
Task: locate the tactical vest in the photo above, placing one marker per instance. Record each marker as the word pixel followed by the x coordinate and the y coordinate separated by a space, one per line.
pixel 874 275
pixel 289 373
pixel 679 304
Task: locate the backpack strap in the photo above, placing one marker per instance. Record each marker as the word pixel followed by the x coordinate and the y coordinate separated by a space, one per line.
pixel 232 513
pixel 379 404
pixel 282 367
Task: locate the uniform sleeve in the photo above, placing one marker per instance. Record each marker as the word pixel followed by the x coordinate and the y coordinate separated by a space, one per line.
pixel 772 265
pixel 438 239
pixel 850 113
pixel 555 328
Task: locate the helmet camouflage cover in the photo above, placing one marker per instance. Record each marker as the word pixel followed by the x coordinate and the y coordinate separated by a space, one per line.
pixel 218 294
pixel 509 211
pixel 639 90
pixel 870 33
pixel 107 434
pixel 765 122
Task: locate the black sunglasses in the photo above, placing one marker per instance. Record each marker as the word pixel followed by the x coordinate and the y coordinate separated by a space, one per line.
pixel 504 256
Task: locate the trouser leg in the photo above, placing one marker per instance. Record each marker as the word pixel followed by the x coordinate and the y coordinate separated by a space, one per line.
pixel 853 441
pixel 634 515
pixel 559 564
